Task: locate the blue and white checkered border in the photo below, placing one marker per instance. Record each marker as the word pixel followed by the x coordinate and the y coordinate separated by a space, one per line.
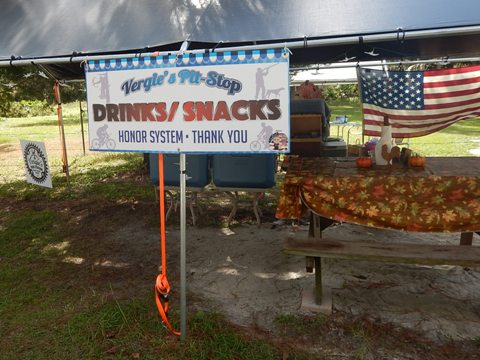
pixel 198 59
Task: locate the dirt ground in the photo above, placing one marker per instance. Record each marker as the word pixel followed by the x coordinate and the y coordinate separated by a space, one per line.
pixel 245 274
pixel 242 273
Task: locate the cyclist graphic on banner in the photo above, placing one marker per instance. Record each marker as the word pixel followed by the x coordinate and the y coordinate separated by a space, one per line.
pixel 103 139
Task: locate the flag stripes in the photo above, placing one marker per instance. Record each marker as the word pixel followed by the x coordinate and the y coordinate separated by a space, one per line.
pixel 418 102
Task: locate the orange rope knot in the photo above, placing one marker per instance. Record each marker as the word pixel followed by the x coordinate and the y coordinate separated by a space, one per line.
pixel 162 287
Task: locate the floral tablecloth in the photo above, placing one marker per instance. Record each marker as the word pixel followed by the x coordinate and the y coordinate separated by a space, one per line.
pixel 444 196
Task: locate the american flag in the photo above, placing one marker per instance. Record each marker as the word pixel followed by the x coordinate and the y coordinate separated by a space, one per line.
pixel 418 102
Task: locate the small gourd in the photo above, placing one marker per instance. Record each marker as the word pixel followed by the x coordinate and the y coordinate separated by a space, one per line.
pixel 416 161
pixel 364 162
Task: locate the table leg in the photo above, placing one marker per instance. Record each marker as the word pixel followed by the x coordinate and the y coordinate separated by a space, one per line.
pixel 317 225
pixel 256 208
pixel 234 197
pixel 314 231
pixel 466 238
pixel 318 281
pixel 309 264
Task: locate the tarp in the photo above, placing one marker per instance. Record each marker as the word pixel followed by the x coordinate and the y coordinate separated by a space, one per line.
pixel 51 28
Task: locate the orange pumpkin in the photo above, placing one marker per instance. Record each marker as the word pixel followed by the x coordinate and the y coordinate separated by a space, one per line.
pixel 417 161
pixel 364 162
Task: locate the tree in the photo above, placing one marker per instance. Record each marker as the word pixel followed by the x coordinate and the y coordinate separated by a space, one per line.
pixel 30 83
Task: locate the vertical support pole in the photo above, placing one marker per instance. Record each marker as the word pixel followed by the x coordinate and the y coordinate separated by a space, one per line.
pixel 466 238
pixel 309 260
pixel 183 248
pixel 361 105
pixel 81 126
pixel 317 225
pixel 62 132
pixel 318 280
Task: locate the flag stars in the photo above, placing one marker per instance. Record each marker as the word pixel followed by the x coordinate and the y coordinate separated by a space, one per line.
pixel 397 90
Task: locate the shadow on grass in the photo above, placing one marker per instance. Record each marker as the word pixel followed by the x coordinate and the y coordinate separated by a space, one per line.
pixel 87 297
pixel 112 176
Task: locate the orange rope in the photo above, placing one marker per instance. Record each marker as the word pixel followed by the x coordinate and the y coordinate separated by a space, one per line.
pixel 162 287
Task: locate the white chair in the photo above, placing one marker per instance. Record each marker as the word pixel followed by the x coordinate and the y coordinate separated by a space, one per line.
pixel 354 128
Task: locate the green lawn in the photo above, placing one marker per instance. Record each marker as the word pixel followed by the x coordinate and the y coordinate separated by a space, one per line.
pixel 49 311
pixel 460 139
pixel 41 128
pixel 53 309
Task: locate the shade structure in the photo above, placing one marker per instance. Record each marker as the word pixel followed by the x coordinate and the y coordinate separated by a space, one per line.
pixel 329 30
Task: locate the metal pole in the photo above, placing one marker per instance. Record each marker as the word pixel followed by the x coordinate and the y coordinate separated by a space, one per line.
pixel 183 247
pixel 361 108
pixel 346 40
pixel 81 125
pixel 351 64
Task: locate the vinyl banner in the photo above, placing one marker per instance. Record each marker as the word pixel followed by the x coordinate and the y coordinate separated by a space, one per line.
pixel 207 103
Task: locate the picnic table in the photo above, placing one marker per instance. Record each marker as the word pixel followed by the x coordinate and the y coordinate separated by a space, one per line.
pixel 442 196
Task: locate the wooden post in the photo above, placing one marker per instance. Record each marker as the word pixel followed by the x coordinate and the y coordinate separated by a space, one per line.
pixel 309 264
pixel 315 226
pixel 466 238
pixel 62 132
pixel 315 232
pixel 81 125
pixel 318 281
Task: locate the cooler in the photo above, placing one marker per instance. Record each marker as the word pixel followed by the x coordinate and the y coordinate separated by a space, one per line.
pixel 198 175
pixel 244 170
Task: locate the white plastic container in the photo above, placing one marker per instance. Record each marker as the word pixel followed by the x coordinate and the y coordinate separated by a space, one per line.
pixel 385 139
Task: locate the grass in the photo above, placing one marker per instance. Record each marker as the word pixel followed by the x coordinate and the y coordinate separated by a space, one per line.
pixel 97 176
pixel 51 308
pixel 47 312
pixel 41 128
pixel 460 139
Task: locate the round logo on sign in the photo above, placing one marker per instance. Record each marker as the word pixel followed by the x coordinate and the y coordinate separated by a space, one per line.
pixel 36 162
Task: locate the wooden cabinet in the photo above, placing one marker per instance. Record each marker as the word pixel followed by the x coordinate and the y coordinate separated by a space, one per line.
pixel 306 134
pixel 308 121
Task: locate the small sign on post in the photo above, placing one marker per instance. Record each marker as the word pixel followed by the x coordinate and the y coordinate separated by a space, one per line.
pixel 36 163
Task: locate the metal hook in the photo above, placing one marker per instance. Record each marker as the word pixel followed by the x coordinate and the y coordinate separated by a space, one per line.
pixel 346 59
pixel 371 53
pixel 11 59
pixel 285 49
pixel 74 53
pixel 220 42
pixel 400 30
pixel 182 50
